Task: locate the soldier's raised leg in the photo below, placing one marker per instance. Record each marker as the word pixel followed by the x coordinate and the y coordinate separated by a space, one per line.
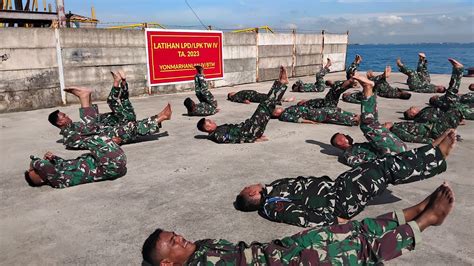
pixel 353 67
pixel 356 187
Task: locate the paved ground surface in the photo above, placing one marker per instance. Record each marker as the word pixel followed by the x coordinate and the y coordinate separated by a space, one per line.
pixel 185 183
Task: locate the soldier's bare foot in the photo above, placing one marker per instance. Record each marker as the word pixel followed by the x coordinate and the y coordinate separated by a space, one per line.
pixel 357 119
pixel 80 92
pixel 399 62
pixel 122 74
pixel 438 208
pixel 165 114
pixel 471 87
pixel 246 101
pixel 414 211
pixel 116 78
pixel 283 77
pixel 370 74
pixel 328 63
pixel 358 59
pixel 448 142
pixel 422 55
pixel 387 72
pixel 261 139
pixel 367 85
pixel 455 63
pixel 291 99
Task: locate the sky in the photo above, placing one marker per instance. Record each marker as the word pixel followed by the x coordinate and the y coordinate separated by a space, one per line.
pixel 368 21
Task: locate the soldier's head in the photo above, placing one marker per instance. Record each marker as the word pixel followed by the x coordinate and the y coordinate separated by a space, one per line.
pixel 433 99
pixel 230 95
pixel 199 69
pixel 471 87
pixel 33 178
pixel 206 125
pixel 404 95
pixel 59 119
pixel 440 89
pixel 329 83
pixel 277 112
pixel 167 248
pixel 411 112
pixel 250 198
pixel 341 141
pixel 370 74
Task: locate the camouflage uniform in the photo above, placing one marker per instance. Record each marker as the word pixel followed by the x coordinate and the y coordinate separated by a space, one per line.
pixel 426 132
pixel 353 97
pixel 248 95
pixel 367 242
pixel 252 128
pixel 381 140
pixel 422 69
pixel 122 112
pixel 75 135
pixel 467 98
pixel 106 161
pixel 451 99
pixel 416 81
pixel 330 115
pixel 428 114
pixel 312 201
pixel 382 88
pixel 318 86
pixel 207 105
pixel 331 99
pixel 351 70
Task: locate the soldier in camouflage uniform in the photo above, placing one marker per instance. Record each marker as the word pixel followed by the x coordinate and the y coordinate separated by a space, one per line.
pixel 332 97
pixel 305 114
pixel 351 70
pixel 121 130
pixel 382 88
pixel 370 241
pixel 251 96
pixel 207 103
pixel 380 140
pixel 422 68
pixel 417 81
pixel 318 86
pixel 106 161
pixel 319 201
pixel 252 129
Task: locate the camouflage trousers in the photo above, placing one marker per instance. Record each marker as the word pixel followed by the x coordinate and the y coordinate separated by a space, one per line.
pixel 467 98
pixel 130 131
pixel 351 70
pixel 422 69
pixel 318 86
pixel 332 115
pixel 122 111
pixel 356 187
pixel 380 137
pixel 413 132
pixel 416 82
pixel 367 242
pixel 353 97
pixel 105 161
pixel 203 109
pixel 249 95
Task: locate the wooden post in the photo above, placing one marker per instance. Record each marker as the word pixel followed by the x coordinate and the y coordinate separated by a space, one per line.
pixel 293 57
pixel 256 44
pixel 322 48
pixel 61 13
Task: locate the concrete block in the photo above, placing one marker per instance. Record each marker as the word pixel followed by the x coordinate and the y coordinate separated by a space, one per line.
pixel 275 50
pixel 239 39
pixel 307 70
pixel 102 89
pixel 75 38
pixel 275 39
pixel 335 48
pixel 305 60
pixel 238 65
pixel 26 38
pixel 338 61
pixel 22 100
pixel 272 73
pixel 174 88
pixel 95 75
pixel 308 39
pixel 31 79
pixel 309 49
pixel 29 58
pixel 237 78
pixel 243 51
pixel 103 56
pixel 335 38
pixel 271 62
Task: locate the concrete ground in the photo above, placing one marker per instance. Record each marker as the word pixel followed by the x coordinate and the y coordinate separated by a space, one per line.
pixel 185 183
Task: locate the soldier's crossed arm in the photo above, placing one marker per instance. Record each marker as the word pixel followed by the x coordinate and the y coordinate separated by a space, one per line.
pixel 295 214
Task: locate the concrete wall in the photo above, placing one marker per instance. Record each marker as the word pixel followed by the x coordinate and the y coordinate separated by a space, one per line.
pixel 29 78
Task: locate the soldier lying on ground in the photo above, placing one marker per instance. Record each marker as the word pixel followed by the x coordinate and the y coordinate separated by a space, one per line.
pixel 380 140
pixel 318 86
pixel 252 129
pixel 251 96
pixel 382 88
pixel 332 96
pixel 120 124
pixel 366 242
pixel 419 81
pixel 106 161
pixel 207 103
pixel 319 201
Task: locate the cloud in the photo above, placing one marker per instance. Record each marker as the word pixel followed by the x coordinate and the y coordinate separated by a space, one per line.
pixel 390 20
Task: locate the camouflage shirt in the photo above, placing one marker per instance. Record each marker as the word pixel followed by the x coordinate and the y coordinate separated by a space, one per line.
pixel 360 153
pixel 331 99
pixel 428 115
pixel 301 201
pixel 249 95
pixel 202 90
pixel 294 113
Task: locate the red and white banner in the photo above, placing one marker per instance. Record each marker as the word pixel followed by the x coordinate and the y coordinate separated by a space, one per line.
pixel 172 55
